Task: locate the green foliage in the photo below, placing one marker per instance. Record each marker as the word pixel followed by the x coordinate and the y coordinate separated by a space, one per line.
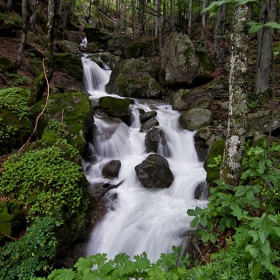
pixel 47 183
pixel 30 254
pixel 251 210
pixel 55 127
pixel 19 79
pixel 11 99
pixel 124 268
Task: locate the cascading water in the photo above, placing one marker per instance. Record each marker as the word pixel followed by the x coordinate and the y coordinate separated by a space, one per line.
pixel 140 219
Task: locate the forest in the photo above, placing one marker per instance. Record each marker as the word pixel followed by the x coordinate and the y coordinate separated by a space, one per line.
pixel 216 64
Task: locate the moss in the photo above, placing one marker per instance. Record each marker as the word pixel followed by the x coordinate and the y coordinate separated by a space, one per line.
pixel 73 108
pixel 5 220
pixel 114 106
pixel 70 64
pixel 205 61
pixel 140 47
pixel 213 173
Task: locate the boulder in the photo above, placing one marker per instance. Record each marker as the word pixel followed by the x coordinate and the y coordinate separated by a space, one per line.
pixel 96 35
pixel 201 191
pixel 201 149
pixel 134 78
pixel 180 63
pixel 154 172
pixel 146 116
pixel 155 139
pixel 70 64
pixel 111 169
pixel 92 47
pixel 149 124
pixel 115 107
pixel 118 42
pixel 181 99
pixel 68 47
pixel 109 59
pixel 195 118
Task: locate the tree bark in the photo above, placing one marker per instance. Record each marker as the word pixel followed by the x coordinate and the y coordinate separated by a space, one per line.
pixel 39 83
pixel 219 31
pixel 238 94
pixel 190 19
pixel 265 41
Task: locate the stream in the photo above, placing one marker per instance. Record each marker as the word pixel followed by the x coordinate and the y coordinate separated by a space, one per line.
pixel 140 219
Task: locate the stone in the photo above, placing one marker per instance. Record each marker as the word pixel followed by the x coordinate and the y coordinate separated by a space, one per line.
pixel 154 172
pixel 149 124
pixel 195 118
pixel 111 169
pixel 68 47
pixel 146 116
pixel 155 139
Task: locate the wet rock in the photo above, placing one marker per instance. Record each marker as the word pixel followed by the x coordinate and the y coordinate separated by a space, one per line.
pixel 111 169
pixel 201 191
pixel 149 124
pixel 67 47
pixel 154 172
pixel 115 107
pixel 201 149
pixel 146 116
pixel 195 118
pixel 154 139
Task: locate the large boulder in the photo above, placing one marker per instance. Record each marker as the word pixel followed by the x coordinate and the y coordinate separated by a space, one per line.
pixel 115 107
pixel 180 63
pixel 70 64
pixel 118 42
pixel 154 172
pixel 68 47
pixel 134 78
pixel 96 35
pixel 195 118
pixel 154 140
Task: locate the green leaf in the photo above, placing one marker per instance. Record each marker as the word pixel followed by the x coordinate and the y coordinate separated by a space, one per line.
pixel 273 24
pixel 203 221
pixel 255 27
pixel 253 250
pixel 205 236
pixel 194 222
pixel 277 231
pixel 265 247
pixel 262 166
pixel 262 235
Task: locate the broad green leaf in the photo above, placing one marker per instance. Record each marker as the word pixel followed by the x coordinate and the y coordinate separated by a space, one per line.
pixel 191 212
pixel 203 221
pixel 237 212
pixel 205 236
pixel 265 247
pixel 273 24
pixel 253 250
pixel 277 231
pixel 262 166
pixel 263 235
pixel 194 222
pixel 240 191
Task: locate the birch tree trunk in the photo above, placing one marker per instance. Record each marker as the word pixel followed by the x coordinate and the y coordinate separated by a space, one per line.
pixel 203 20
pixel 238 93
pixel 265 41
pixel 219 31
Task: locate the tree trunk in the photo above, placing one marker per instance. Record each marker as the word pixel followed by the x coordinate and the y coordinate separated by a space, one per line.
pixel 39 83
pixel 265 41
pixel 203 21
pixel 133 18
pixel 238 94
pixel 172 16
pixel 190 19
pixel 219 31
pixel 9 4
pixel 18 61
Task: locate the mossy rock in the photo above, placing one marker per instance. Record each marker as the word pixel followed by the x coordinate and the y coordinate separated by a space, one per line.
pixel 5 220
pixel 96 35
pixel 70 64
pixel 116 107
pixel 213 172
pixel 73 108
pixel 140 47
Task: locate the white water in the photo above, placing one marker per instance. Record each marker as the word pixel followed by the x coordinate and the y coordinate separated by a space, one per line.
pixel 141 219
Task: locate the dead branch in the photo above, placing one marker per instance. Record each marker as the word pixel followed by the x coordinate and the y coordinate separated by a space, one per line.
pixel 3 78
pixel 110 187
pixel 2 233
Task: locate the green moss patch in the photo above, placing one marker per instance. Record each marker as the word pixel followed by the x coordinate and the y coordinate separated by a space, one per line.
pixel 5 220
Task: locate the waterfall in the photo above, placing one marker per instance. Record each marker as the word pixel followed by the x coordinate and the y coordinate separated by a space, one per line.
pixel 142 219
